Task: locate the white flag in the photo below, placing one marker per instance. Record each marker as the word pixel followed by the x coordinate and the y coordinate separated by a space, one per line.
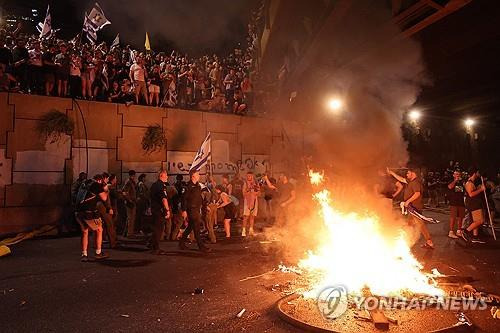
pixel 94 22
pixel 45 28
pixel 97 18
pixel 89 29
pixel 203 154
pixel 116 41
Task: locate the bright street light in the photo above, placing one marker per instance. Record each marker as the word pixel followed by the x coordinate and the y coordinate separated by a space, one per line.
pixel 335 104
pixel 414 115
pixel 469 122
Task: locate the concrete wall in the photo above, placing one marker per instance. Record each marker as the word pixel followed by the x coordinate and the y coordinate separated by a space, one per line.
pixel 36 175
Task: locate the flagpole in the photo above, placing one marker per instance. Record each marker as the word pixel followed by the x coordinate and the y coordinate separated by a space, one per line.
pixel 210 158
pixel 488 209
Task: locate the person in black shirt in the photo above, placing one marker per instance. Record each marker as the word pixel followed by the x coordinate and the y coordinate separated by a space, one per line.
pixel 286 192
pixel 474 204
pixel 49 67
pixel 154 86
pixel 191 209
pixel 20 58
pixel 5 54
pixel 457 206
pixel 178 220
pixel 87 215
pixel 160 209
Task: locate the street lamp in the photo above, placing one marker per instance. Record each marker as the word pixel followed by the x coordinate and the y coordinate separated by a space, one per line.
pixel 469 122
pixel 335 104
pixel 414 115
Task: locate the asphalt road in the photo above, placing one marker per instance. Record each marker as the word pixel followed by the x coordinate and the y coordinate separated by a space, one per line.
pixel 45 288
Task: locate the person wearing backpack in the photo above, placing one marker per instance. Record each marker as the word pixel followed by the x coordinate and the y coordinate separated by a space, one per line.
pixel 89 195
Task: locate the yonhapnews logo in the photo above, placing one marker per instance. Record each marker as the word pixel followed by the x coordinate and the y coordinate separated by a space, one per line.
pixel 334 301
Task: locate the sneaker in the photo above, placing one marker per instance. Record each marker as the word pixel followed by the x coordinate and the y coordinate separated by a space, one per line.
pixel 429 245
pixel 250 232
pixel 477 240
pixel 101 256
pixel 183 246
pixel 243 233
pixel 465 235
pixel 459 232
pixel 84 258
pixel 451 234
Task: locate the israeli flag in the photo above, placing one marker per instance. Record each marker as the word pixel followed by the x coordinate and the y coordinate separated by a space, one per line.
pixel 45 29
pixel 203 154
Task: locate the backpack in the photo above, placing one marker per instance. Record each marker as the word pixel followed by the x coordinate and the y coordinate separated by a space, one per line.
pixel 83 195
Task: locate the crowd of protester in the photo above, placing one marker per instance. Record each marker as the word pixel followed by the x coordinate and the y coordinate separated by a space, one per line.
pixel 471 196
pixel 137 209
pixel 160 210
pixel 72 68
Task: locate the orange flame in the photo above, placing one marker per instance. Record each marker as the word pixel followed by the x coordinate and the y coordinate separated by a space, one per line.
pixel 316 177
pixel 357 253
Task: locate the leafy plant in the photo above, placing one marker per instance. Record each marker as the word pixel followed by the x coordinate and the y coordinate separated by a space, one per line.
pixel 154 139
pixel 54 124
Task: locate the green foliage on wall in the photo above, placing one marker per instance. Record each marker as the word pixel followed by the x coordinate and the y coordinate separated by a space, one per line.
pixel 54 125
pixel 154 139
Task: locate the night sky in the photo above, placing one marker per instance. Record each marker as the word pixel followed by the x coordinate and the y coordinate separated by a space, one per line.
pixel 195 26
pixel 462 54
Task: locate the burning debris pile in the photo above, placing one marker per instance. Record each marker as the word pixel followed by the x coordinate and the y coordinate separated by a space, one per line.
pixel 356 253
pixel 360 273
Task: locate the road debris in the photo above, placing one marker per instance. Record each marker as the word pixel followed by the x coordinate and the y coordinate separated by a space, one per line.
pixel 125 316
pixel 255 276
pixel 23 303
pixel 240 314
pixel 495 312
pixel 199 291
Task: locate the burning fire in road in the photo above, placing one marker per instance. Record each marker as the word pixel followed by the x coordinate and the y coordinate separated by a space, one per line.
pixel 356 252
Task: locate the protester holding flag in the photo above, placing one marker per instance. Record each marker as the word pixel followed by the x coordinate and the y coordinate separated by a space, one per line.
pixel 45 28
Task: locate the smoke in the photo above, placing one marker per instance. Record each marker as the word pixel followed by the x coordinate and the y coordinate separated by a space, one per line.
pixel 378 75
pixel 189 26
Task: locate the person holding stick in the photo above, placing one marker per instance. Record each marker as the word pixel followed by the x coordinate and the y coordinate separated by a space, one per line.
pixel 412 196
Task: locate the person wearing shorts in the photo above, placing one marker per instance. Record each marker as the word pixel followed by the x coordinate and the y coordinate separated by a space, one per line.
pixel 457 205
pixel 251 191
pixel 138 76
pixel 87 215
pixel 474 204
pixel 226 202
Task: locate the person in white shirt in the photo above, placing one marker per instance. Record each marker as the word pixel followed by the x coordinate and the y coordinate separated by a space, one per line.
pixel 138 76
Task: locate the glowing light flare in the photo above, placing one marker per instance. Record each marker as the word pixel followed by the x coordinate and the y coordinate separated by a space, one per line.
pixel 414 115
pixel 356 252
pixel 469 122
pixel 335 104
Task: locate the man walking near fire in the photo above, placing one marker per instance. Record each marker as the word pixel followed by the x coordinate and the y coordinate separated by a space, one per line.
pixel 412 198
pixel 160 209
pixel 191 203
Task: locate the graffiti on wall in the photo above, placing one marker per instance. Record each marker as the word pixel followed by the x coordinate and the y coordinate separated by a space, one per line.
pixel 179 163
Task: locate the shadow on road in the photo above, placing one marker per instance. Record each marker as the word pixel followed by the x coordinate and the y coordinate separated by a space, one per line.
pixel 125 263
